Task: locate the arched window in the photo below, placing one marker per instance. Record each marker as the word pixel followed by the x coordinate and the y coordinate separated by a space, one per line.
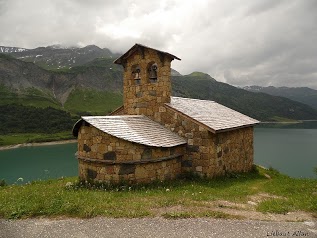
pixel 136 74
pixel 152 69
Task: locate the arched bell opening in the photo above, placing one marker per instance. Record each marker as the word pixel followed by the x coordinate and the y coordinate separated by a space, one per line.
pixel 136 74
pixel 152 70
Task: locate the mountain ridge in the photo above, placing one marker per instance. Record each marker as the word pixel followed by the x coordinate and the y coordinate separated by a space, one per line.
pixel 301 94
pixel 59 57
pixel 101 79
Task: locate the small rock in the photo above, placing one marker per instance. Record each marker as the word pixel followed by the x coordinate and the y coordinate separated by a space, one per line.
pixel 252 203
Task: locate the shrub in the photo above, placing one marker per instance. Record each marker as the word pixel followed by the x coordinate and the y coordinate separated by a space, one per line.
pixel 2 183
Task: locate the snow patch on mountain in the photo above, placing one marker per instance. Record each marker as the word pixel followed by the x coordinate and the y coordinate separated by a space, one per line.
pixel 6 49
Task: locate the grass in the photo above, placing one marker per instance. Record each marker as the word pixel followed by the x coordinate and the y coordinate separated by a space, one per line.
pixel 66 197
pixel 28 97
pixel 284 119
pixel 93 102
pixel 13 139
pixel 296 194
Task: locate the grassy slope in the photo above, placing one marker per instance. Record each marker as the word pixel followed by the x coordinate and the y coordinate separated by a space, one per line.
pixel 29 97
pixel 21 138
pixel 193 197
pixel 92 102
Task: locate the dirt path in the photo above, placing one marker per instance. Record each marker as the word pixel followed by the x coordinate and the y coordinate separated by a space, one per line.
pixel 153 227
pixel 246 210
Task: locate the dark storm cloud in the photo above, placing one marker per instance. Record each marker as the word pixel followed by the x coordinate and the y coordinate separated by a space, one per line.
pixel 264 42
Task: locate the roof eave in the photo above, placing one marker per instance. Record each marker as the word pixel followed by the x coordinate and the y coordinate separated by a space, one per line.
pixel 118 109
pixel 76 127
pixel 235 128
pixel 209 128
pixel 83 120
pixel 134 48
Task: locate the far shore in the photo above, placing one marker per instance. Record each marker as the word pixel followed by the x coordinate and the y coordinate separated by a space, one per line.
pixel 8 147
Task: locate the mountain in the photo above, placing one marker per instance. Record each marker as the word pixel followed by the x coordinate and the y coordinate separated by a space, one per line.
pixel 96 88
pixel 57 57
pixel 28 84
pixel 175 73
pixel 261 106
pixel 8 49
pixel 301 94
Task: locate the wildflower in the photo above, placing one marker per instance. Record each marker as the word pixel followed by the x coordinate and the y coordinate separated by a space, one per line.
pixel 20 179
pixel 167 190
pixel 69 185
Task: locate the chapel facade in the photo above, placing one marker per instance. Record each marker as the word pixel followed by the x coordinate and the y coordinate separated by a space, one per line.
pixel 155 136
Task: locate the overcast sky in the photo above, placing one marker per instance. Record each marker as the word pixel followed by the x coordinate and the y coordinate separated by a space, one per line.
pixel 241 42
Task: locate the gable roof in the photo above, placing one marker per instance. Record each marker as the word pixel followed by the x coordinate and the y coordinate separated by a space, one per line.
pixel 136 47
pixel 210 114
pixel 134 128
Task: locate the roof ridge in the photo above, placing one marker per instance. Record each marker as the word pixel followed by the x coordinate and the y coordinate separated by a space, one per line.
pixel 197 99
pixel 114 117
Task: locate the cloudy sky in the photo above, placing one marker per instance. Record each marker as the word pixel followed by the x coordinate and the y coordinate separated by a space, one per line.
pixel 241 42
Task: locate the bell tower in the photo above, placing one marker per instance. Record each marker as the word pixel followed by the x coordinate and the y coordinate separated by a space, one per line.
pixel 146 80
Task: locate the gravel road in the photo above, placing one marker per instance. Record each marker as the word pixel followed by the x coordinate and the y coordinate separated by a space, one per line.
pixel 153 227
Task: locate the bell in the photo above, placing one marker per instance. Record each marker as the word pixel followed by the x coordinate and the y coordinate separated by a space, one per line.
pixel 137 74
pixel 153 71
pixel 153 75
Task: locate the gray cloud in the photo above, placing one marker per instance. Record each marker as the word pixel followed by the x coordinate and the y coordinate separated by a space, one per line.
pixel 264 42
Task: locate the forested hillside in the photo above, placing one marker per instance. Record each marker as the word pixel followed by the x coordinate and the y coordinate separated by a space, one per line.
pixel 41 97
pixel 300 94
pixel 25 119
pixel 261 106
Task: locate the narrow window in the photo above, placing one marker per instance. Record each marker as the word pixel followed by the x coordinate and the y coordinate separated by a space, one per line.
pixel 153 72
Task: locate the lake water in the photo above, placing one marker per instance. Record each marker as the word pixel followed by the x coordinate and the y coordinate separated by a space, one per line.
pixel 291 151
pixel 38 162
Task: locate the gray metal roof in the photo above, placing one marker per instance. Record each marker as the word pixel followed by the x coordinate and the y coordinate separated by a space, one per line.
pixel 136 128
pixel 211 114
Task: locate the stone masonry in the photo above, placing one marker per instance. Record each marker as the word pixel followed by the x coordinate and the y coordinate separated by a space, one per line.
pixel 144 96
pixel 210 154
pixel 147 91
pixel 103 157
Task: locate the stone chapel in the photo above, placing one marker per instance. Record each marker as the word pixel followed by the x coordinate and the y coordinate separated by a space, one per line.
pixel 155 136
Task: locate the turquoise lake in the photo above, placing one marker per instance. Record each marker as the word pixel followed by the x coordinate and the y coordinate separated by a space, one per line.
pixel 291 151
pixel 38 162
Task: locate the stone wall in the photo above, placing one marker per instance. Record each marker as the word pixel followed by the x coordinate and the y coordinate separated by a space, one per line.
pixel 103 157
pixel 145 96
pixel 210 154
pixel 234 150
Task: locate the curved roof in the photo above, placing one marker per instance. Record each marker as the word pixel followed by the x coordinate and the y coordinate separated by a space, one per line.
pixel 133 128
pixel 214 116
